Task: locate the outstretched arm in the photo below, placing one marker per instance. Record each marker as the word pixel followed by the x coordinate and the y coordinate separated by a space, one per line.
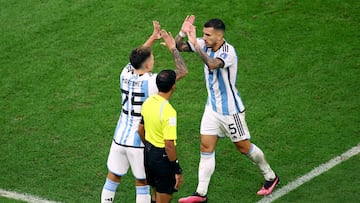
pixel 154 36
pixel 179 39
pixel 181 45
pixel 181 69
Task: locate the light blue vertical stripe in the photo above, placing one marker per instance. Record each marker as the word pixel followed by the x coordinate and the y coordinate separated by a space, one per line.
pixel 211 79
pixel 224 97
pixel 130 119
pixel 127 128
pixel 206 80
pixel 145 90
pixel 117 139
pixel 212 93
pixel 122 134
pixel 137 139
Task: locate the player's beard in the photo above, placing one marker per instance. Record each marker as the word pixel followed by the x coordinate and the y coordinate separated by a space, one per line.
pixel 208 45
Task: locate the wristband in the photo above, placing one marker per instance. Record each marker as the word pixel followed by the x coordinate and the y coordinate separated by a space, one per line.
pixel 181 34
pixel 176 166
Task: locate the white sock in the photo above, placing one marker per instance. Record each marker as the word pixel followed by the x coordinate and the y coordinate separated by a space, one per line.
pixel 143 194
pixel 108 192
pixel 258 157
pixel 206 169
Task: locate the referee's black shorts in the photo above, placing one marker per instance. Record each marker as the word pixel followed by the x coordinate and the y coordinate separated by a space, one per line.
pixel 159 172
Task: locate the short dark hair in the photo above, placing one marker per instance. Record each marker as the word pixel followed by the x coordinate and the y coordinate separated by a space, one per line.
pixel 165 80
pixel 215 23
pixel 139 55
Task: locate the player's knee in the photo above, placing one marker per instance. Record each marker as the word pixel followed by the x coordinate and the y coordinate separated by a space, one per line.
pixel 243 146
pixel 113 177
pixel 208 143
pixel 206 148
pixel 243 150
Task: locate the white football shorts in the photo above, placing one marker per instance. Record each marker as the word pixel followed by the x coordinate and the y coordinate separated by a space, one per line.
pixel 122 157
pixel 233 126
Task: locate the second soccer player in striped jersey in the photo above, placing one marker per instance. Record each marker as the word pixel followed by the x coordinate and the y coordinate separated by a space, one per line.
pixel 224 113
pixel 137 82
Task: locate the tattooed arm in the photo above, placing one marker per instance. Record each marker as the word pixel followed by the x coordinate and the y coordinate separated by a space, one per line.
pixel 185 28
pixel 181 45
pixel 212 63
pixel 181 69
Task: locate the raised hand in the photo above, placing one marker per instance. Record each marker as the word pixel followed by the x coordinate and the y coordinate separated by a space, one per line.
pixel 188 22
pixel 154 36
pixel 169 40
pixel 156 33
pixel 192 35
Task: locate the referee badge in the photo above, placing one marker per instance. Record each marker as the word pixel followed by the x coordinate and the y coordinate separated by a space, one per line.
pixel 172 121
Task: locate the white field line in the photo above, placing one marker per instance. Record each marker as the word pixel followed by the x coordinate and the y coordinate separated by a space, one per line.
pixel 275 195
pixel 23 197
pixel 312 174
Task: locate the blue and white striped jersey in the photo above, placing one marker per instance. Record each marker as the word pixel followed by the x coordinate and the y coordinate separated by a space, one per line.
pixel 223 96
pixel 135 89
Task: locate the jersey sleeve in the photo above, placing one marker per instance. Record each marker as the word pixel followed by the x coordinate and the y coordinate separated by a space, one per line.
pixel 152 85
pixel 169 123
pixel 228 56
pixel 127 68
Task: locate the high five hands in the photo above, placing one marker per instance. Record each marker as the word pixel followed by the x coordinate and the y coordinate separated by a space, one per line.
pixel 187 25
pixel 189 29
pixel 169 40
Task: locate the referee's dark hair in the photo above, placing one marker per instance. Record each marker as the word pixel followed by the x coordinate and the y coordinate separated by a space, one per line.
pixel 139 55
pixel 165 80
pixel 215 23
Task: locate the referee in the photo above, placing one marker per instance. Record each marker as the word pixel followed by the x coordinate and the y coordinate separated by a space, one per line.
pixel 162 168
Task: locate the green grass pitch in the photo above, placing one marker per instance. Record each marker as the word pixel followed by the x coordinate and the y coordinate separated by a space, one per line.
pixel 299 77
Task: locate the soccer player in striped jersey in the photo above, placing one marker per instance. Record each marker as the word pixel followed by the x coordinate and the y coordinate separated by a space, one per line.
pixel 137 82
pixel 224 113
